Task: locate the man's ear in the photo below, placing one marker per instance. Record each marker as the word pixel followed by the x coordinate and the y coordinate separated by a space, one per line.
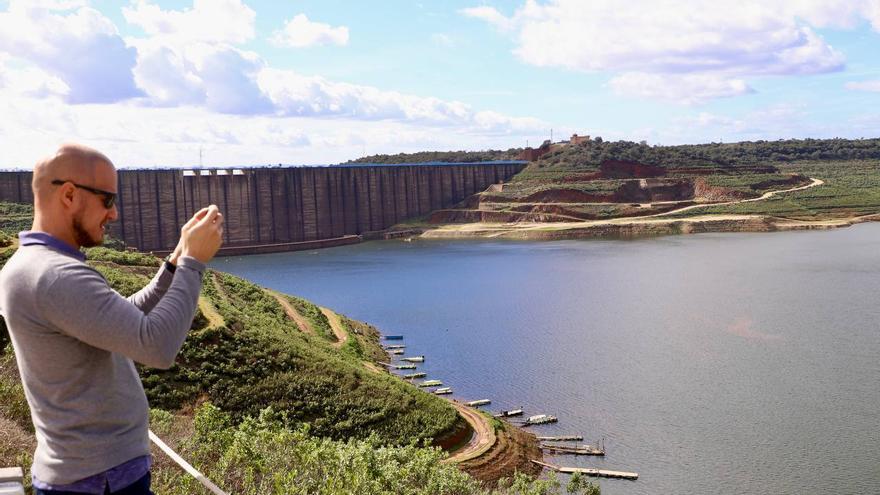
pixel 68 194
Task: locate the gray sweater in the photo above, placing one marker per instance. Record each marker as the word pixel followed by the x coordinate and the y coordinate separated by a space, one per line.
pixel 75 339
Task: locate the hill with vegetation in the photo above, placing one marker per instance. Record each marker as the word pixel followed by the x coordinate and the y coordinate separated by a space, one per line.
pixel 439 156
pixel 265 401
pixel 589 155
pixel 598 181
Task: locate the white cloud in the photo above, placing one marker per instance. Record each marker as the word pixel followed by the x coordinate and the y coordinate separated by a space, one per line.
pixel 654 36
pixel 494 123
pixel 295 94
pixel 873 86
pixel 137 136
pixel 65 45
pixel 189 57
pixel 688 89
pixel 729 39
pixel 218 76
pixel 221 77
pixel 216 21
pixel 490 15
pixel 29 81
pixel 779 121
pixel 300 32
pixel 187 83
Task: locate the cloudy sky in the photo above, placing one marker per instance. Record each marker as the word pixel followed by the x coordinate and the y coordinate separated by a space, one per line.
pixel 246 82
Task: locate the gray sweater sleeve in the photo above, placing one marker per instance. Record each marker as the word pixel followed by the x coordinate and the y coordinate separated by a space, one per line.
pixel 81 304
pixel 146 298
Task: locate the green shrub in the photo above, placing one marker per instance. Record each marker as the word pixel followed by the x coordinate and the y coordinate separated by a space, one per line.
pixel 262 455
pixel 315 317
pixel 125 258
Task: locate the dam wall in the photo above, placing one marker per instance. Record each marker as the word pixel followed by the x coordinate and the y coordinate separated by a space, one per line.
pixel 282 208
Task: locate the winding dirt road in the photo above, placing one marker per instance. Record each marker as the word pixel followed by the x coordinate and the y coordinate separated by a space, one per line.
pixel 336 324
pixel 767 195
pixel 292 313
pixel 482 440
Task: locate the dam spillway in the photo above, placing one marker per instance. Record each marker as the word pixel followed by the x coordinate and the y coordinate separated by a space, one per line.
pixel 282 208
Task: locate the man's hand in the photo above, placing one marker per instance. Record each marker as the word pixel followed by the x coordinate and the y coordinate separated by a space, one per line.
pixel 201 237
pixel 179 248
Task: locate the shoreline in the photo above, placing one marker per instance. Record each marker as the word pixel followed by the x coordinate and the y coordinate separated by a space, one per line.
pixel 635 227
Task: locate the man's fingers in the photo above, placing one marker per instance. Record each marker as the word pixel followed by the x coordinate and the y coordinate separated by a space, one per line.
pixel 210 215
pixel 195 218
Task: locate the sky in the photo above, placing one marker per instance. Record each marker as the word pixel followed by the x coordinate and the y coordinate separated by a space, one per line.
pixel 245 82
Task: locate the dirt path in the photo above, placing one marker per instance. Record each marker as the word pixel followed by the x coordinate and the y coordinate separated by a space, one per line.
pixel 815 182
pixel 491 455
pixel 215 319
pixel 292 313
pixel 375 369
pixel 336 324
pixel 221 291
pixel 482 440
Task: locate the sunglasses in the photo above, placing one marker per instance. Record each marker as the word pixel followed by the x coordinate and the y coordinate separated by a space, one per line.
pixel 109 197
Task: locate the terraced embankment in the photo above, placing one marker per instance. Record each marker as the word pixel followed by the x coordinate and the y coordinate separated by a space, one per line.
pixel 664 223
pixel 496 450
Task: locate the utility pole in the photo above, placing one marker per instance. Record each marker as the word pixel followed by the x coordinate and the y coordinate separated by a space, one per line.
pixel 200 157
pixel 551 135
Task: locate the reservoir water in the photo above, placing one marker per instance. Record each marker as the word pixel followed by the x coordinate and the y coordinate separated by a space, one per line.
pixel 711 363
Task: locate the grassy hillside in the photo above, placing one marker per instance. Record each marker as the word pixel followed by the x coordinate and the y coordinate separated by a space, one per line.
pixel 852 188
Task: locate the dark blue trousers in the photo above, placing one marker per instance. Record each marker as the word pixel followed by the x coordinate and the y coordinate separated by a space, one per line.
pixel 139 487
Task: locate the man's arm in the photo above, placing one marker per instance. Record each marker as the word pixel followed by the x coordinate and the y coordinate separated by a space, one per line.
pixel 146 298
pixel 81 304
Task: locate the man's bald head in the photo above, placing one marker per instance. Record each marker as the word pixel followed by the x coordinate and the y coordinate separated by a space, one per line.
pixel 72 162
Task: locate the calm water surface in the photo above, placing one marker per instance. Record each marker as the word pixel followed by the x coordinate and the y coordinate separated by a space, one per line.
pixel 713 363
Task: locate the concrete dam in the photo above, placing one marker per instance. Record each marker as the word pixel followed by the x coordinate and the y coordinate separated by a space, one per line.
pixel 282 208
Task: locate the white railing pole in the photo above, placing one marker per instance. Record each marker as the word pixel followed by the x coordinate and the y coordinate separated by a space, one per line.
pixel 185 465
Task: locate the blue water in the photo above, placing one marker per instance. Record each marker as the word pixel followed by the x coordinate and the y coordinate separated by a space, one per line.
pixel 711 363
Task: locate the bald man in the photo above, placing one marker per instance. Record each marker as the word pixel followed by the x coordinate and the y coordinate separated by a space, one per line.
pixel 75 338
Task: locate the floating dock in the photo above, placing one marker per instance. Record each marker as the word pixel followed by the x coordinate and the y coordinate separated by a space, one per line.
pixel 478 403
pixel 443 391
pixel 414 359
pixel 601 473
pixel 393 337
pixel 413 376
pixel 563 438
pixel 539 419
pixel 404 366
pixel 394 347
pixel 582 449
pixel 507 414
pixel 431 383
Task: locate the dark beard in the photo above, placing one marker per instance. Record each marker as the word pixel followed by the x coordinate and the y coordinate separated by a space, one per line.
pixel 82 236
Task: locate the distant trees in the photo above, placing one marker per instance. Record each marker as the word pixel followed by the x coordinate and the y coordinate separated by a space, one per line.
pixel 441 156
pixel 590 154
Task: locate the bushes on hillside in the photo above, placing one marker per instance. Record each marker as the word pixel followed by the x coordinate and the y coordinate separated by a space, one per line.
pixel 262 456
